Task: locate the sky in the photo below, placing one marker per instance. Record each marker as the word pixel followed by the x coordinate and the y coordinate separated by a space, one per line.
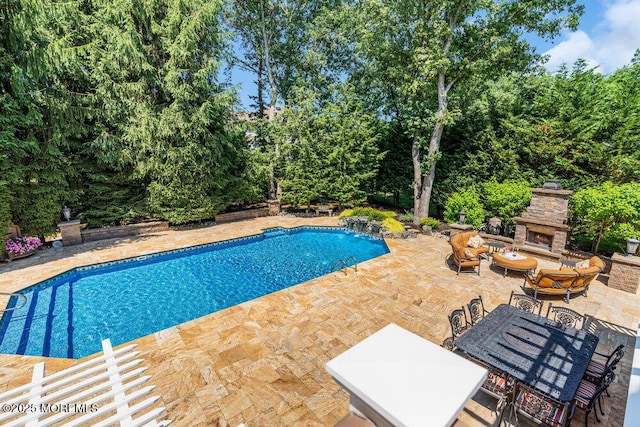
pixel 607 37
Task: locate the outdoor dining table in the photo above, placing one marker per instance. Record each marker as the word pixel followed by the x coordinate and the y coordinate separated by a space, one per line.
pixel 397 378
pixel 544 354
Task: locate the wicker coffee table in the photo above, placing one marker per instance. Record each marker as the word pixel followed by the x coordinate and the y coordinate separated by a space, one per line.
pixel 515 261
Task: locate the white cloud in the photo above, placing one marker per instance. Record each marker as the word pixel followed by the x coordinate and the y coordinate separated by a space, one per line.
pixel 610 44
pixel 578 45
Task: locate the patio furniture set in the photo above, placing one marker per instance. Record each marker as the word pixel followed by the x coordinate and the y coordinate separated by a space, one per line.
pixel 542 367
pixel 539 367
pixel 469 250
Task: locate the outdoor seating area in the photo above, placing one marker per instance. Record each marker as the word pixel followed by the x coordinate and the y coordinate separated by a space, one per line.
pixel 543 368
pixel 263 362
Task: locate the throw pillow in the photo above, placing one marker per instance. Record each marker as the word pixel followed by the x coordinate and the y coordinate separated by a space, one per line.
pixel 583 264
pixel 468 253
pixel 475 242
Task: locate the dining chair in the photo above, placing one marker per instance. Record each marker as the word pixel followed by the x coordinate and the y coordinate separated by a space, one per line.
pixel 476 310
pixel 459 322
pixel 565 316
pixel 498 385
pixel 601 363
pixel 526 302
pixel 449 344
pixel 541 408
pixel 588 394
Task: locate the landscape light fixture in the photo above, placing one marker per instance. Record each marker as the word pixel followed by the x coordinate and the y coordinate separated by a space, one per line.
pixel 463 215
pixel 67 213
pixel 632 246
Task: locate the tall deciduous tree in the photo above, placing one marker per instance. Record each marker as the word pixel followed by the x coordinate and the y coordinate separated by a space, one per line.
pixel 279 42
pixel 417 52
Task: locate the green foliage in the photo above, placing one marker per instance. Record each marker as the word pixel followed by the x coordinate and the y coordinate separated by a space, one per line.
pixel 602 210
pixel 468 200
pixel 506 199
pixel 406 217
pixel 431 222
pixel 330 148
pixel 413 56
pixel 392 225
pixel 345 213
pixel 373 214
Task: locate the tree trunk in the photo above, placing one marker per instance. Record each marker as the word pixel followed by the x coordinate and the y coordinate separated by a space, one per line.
pixel 416 157
pixel 423 184
pixel 260 88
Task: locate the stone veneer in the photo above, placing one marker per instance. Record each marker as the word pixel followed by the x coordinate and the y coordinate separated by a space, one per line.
pixel 547 214
pixel 625 273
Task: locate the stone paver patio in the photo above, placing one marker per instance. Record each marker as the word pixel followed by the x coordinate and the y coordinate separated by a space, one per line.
pixel 262 362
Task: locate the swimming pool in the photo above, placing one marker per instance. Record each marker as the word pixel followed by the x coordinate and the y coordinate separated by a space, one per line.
pixel 70 314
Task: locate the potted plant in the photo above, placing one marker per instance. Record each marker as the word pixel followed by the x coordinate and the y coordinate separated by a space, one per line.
pixel 20 247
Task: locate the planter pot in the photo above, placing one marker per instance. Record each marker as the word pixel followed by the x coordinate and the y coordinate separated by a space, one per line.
pixel 18 256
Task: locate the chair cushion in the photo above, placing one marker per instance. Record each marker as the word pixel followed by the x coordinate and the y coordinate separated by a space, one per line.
pixel 586 391
pixel 595 266
pixel 475 242
pixel 596 368
pixel 558 279
pixel 582 264
pixel 468 253
pixel 495 383
pixel 542 409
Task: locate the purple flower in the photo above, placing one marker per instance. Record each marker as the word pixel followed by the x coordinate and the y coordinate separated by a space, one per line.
pixel 22 245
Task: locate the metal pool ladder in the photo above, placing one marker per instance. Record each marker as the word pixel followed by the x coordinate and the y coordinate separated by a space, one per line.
pixel 344 263
pixel 12 294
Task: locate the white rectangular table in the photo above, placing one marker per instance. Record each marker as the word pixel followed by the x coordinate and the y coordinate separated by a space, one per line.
pixel 397 378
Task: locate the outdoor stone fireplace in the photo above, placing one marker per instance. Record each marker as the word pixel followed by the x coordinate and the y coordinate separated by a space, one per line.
pixel 543 228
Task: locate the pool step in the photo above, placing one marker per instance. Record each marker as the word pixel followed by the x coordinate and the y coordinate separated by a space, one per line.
pixel 29 330
pixel 274 232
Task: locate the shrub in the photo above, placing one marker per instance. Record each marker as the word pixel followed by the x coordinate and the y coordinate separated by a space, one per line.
pixel 345 213
pixel 507 199
pixel 469 200
pixel 393 225
pixel 431 222
pixel 406 217
pixel 373 214
pixel 607 213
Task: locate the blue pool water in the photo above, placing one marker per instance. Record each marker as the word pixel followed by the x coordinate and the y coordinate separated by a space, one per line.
pixel 70 314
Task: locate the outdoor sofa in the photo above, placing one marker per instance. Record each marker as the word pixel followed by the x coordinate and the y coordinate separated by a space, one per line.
pixel 565 281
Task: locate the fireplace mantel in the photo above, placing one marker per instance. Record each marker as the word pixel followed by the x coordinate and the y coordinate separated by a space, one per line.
pixel 556 225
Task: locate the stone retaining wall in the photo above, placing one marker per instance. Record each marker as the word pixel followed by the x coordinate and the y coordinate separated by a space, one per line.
pixel 93 234
pixel 240 215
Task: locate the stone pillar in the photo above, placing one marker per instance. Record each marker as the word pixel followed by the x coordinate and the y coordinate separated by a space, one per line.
pixel 625 273
pixel 70 231
pixel 274 207
pixel 460 228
